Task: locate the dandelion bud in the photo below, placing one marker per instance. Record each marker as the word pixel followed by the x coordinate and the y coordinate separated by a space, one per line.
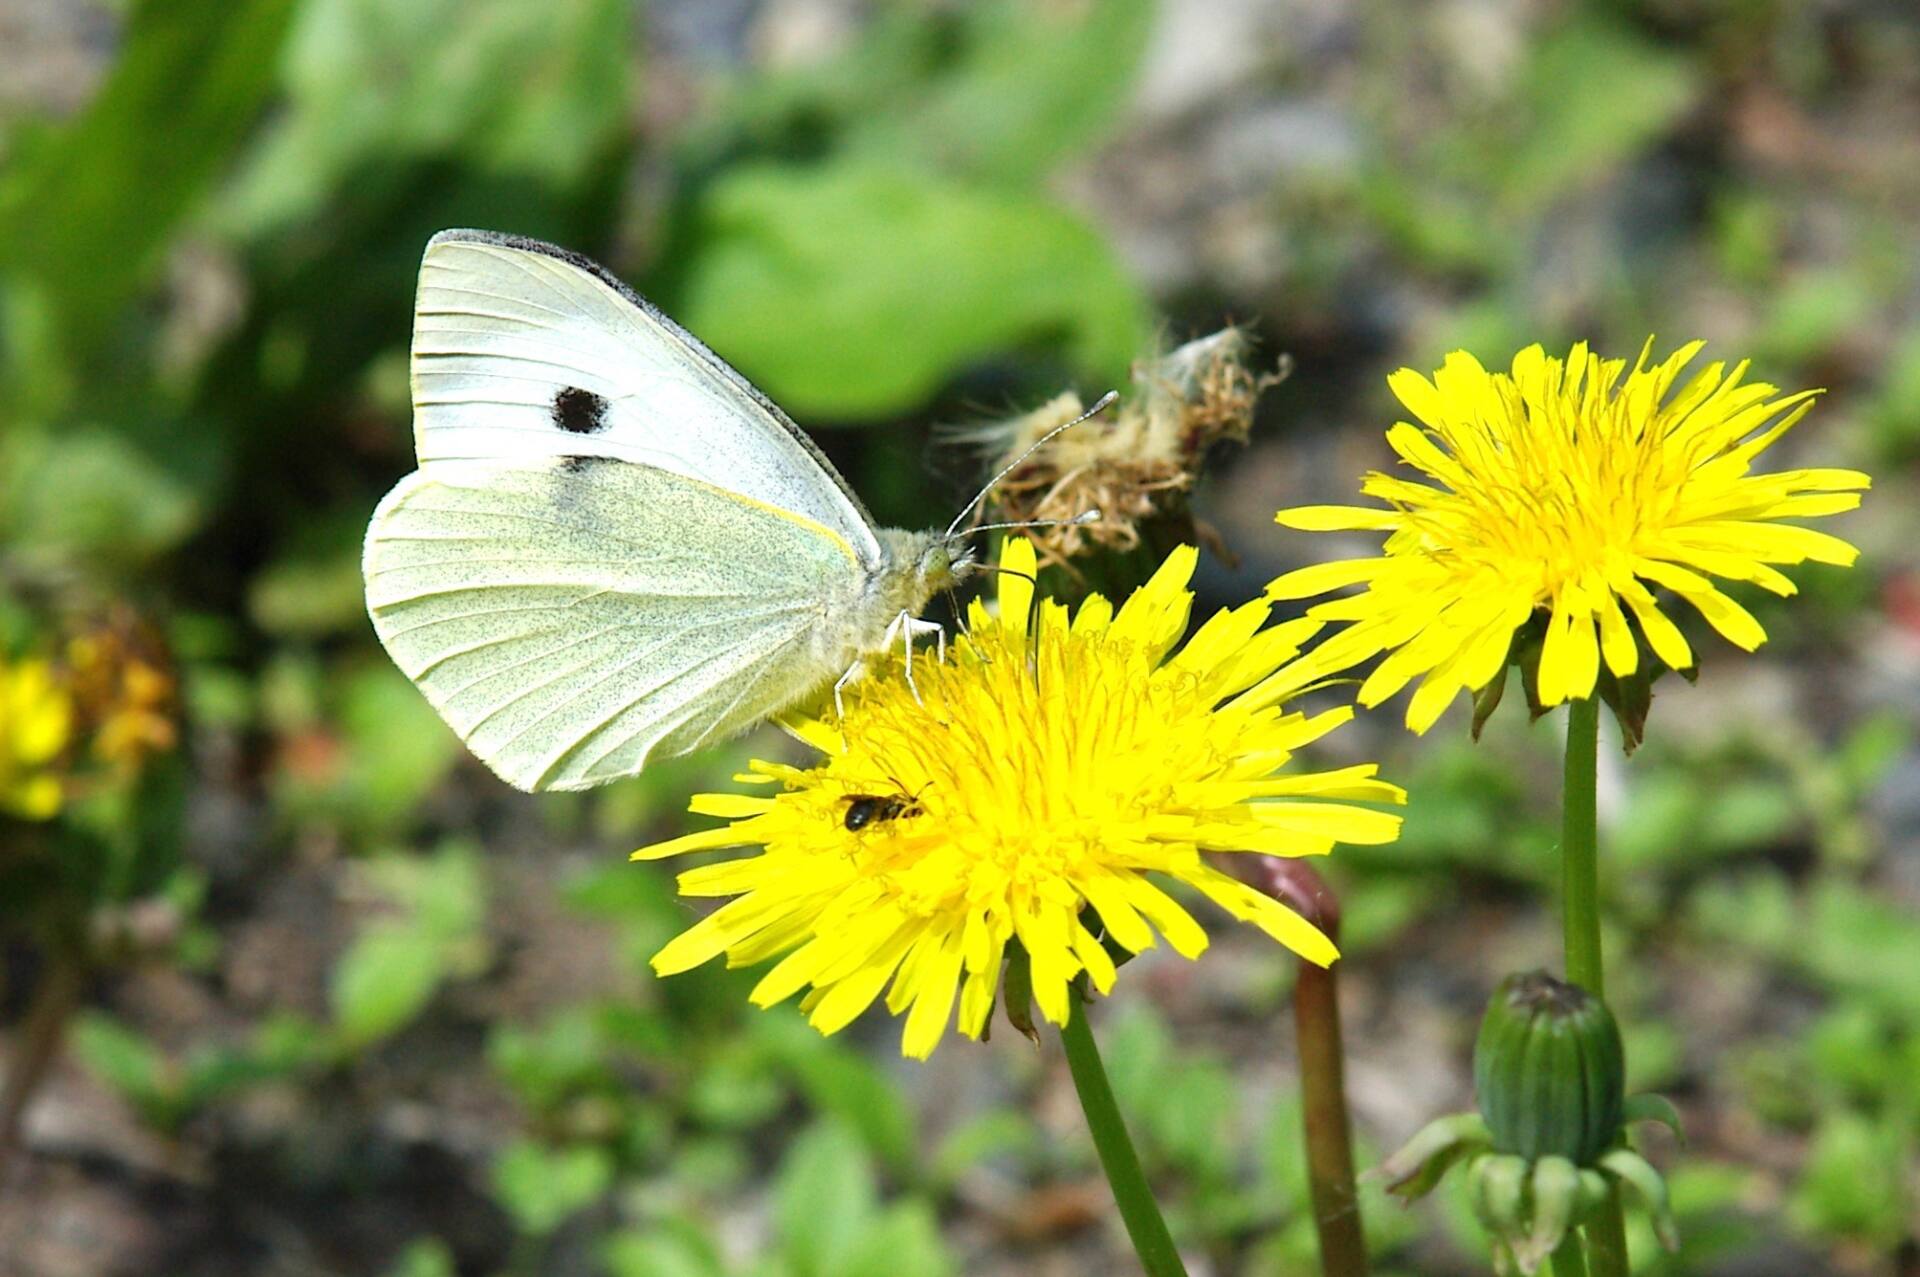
pixel 1549 1070
pixel 1544 1151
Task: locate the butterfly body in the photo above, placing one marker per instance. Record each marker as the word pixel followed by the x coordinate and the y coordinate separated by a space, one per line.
pixel 614 548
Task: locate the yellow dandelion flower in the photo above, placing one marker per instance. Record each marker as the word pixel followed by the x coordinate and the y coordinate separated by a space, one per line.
pixel 35 720
pixel 1561 489
pixel 1047 773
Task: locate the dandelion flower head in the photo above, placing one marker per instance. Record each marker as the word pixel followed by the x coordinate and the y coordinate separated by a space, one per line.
pixel 1042 785
pixel 1565 489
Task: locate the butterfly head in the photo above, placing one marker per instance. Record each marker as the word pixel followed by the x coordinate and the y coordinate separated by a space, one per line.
pixel 945 561
pixel 920 565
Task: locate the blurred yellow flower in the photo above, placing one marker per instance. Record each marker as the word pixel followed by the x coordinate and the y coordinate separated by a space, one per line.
pixel 1560 488
pixel 1041 780
pixel 35 719
pixel 123 692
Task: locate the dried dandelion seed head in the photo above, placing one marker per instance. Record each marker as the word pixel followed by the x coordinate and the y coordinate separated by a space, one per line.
pixel 1129 465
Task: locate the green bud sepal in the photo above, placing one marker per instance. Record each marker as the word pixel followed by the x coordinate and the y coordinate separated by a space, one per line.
pixel 1420 1164
pixel 1527 1207
pixel 1548 1142
pixel 1630 697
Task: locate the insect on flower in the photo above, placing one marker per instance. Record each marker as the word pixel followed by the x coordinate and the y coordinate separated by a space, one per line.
pixel 1045 782
pixel 868 809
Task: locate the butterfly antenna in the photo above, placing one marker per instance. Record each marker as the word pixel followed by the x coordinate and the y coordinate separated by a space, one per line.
pixel 1105 401
pixel 1078 520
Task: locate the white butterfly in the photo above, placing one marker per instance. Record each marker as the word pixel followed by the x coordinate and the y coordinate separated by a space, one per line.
pixel 615 548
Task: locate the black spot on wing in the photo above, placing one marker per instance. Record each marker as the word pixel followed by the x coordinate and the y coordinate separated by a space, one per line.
pixel 575 465
pixel 578 411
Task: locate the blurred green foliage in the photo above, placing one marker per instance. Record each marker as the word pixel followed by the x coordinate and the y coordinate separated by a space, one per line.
pixel 205 281
pixel 990 268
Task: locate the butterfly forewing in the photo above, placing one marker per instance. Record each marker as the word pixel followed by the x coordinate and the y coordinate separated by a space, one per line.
pixel 523 351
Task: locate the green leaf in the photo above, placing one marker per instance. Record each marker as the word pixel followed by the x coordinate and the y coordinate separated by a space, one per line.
pixel 845 1084
pixel 1896 411
pixel 89 497
pixel 385 979
pixel 1853 1183
pixel 1375 909
pixel 1754 910
pixel 1192 1117
pixel 426 1257
pixel 1578 122
pixel 1030 85
pixel 1810 313
pixel 824 1199
pixel 1872 748
pixel 734 1089
pixel 1139 1049
pixel 390 972
pixel 86 213
pixel 396 749
pixel 1851 940
pixel 286 1042
pixel 310 595
pixel 905 1242
pixel 1000 1132
pixel 997 91
pixel 122 1058
pixel 399 747
pixel 545 1066
pixel 856 290
pixel 539 91
pixel 671 1251
pixel 448 893
pixel 542 1187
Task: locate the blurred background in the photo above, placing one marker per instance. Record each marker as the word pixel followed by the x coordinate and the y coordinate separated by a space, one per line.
pixel 306 991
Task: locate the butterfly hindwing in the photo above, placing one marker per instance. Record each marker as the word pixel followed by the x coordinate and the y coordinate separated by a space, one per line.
pixel 571 617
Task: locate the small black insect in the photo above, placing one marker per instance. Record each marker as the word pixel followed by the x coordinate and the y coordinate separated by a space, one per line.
pixel 865 809
pixel 578 411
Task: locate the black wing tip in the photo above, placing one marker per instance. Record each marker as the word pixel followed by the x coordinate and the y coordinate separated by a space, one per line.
pixel 579 261
pixel 526 244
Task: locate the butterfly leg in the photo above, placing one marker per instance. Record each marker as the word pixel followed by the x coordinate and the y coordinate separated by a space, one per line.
pixel 903 625
pixel 911 627
pixel 853 671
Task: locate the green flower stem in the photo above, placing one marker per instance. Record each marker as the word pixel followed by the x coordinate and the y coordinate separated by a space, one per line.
pixel 1567 1259
pixel 1151 1241
pixel 1579 849
pixel 1580 917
